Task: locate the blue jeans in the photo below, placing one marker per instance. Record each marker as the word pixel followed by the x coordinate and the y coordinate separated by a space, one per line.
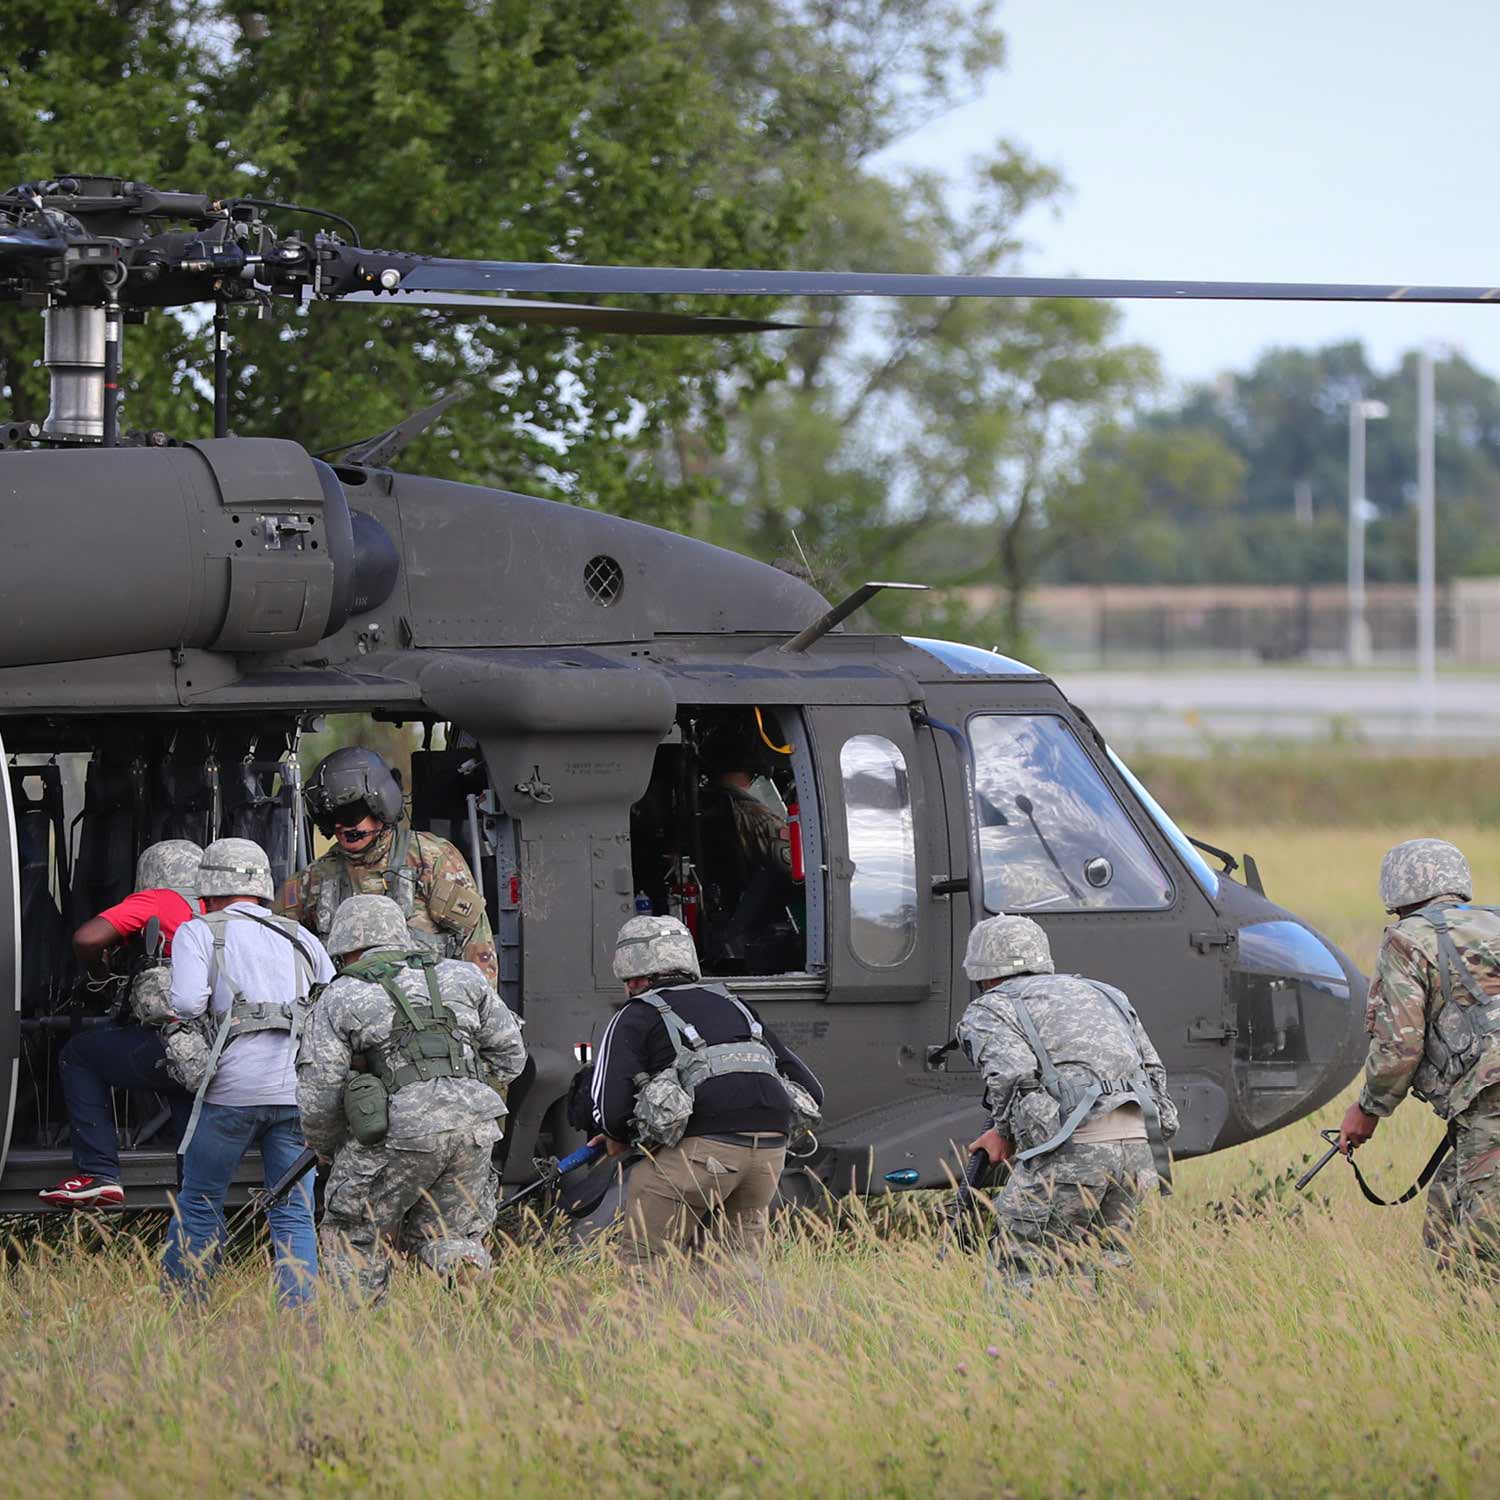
pixel 105 1057
pixel 225 1133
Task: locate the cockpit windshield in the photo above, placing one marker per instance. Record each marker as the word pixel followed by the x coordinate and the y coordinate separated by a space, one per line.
pixel 1052 835
pixel 1203 872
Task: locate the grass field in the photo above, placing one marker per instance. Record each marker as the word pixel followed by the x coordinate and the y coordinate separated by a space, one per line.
pixel 1262 1346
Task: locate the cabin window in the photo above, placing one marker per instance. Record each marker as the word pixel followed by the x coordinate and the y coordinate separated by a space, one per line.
pixel 882 849
pixel 1052 835
pixel 724 835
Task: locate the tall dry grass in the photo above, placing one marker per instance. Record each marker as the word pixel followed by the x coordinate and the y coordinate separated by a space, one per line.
pixel 1263 1345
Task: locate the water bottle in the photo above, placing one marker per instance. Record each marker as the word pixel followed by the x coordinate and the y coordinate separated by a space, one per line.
pixel 643 906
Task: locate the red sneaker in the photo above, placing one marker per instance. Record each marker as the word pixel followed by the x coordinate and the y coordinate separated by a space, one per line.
pixel 85 1192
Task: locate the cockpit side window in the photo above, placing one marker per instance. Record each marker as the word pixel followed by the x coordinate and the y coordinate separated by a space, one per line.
pixel 882 849
pixel 718 839
pixel 1052 835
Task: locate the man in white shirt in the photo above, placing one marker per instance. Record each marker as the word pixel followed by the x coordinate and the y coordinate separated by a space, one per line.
pixel 251 972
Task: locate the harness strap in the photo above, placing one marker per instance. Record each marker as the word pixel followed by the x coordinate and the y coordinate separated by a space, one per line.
pixel 244 1016
pixel 1145 1096
pixel 394 871
pixel 1138 1085
pixel 694 1059
pixel 1091 1096
pixel 1051 1078
pixel 423 1067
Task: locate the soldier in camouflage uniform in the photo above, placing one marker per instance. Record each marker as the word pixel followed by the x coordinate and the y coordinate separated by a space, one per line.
pixel 427 1187
pixel 1433 1014
pixel 356 801
pixel 1077 1095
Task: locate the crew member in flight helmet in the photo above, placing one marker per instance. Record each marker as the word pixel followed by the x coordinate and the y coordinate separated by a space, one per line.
pixel 356 800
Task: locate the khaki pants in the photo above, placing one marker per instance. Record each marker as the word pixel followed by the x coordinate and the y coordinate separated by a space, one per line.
pixel 671 1197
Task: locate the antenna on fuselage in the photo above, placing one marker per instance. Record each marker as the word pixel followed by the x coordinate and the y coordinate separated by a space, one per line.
pixel 841 612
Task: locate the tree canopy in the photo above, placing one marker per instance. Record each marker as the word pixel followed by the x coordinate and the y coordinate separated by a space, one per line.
pixel 1208 484
pixel 675 132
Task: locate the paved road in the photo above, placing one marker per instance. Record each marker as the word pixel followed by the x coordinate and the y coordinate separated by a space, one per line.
pixel 1181 710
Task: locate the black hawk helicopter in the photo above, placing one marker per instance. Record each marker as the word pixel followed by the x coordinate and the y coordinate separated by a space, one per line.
pixel 180 610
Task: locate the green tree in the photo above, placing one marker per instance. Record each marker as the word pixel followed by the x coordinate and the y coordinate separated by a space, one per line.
pixel 1286 421
pixel 522 129
pixel 928 421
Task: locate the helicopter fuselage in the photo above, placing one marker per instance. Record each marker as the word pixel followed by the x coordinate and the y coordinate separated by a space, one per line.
pixel 181 614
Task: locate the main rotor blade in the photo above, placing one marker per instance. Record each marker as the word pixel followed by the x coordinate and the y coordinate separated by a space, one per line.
pixel 521 276
pixel 567 314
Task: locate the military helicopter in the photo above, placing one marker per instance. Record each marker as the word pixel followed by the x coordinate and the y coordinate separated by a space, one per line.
pixel 585 687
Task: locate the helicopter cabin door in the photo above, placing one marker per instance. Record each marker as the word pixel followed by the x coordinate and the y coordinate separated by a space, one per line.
pixel 10 966
pixel 882 813
pixel 1066 837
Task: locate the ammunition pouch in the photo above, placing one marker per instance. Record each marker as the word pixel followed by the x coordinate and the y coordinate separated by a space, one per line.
pixel 662 1110
pixel 188 1045
pixel 150 996
pixel 366 1109
pixel 454 906
pixel 807 1115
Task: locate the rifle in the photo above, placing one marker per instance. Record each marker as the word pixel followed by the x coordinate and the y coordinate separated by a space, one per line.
pixel 962 1206
pixel 1332 1137
pixel 268 1197
pixel 552 1170
pixel 1423 1177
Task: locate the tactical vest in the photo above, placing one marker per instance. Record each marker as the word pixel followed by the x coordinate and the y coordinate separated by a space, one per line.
pixel 246 1016
pixel 1458 1035
pixel 1075 1101
pixel 665 1103
pixel 429 1045
pixel 401 880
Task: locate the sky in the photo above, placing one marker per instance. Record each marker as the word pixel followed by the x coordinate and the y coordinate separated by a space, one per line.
pixel 1313 141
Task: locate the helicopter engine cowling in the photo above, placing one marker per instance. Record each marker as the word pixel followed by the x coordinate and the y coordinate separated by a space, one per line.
pixel 229 544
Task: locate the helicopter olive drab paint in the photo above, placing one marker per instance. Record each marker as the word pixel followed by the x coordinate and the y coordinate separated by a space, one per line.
pixel 224 596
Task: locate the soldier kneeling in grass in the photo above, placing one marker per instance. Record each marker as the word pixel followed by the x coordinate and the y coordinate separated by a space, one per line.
pixel 1077 1095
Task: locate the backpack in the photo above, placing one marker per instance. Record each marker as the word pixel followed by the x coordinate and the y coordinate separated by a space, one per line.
pixel 426 1047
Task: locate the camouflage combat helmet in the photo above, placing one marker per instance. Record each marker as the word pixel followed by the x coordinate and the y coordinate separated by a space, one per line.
pixel 171 865
pixel 1002 946
pixel 1413 873
pixel 349 778
pixel 367 922
pixel 655 945
pixel 235 867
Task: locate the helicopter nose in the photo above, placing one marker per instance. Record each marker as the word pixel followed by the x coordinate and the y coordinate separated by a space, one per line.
pixel 1299 1009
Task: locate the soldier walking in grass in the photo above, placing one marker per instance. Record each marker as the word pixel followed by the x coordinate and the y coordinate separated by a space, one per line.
pixel 396 1080
pixel 1077 1096
pixel 1433 1017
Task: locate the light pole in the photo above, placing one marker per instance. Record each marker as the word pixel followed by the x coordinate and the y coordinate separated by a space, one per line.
pixel 1426 542
pixel 1359 630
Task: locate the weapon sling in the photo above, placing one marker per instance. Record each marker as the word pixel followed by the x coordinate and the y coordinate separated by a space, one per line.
pixel 1425 1176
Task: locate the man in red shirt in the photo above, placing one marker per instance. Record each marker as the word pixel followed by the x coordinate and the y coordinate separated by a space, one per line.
pixel 122 1053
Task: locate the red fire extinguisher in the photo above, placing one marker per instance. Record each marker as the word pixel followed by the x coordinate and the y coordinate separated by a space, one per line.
pixel 794 838
pixel 685 896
